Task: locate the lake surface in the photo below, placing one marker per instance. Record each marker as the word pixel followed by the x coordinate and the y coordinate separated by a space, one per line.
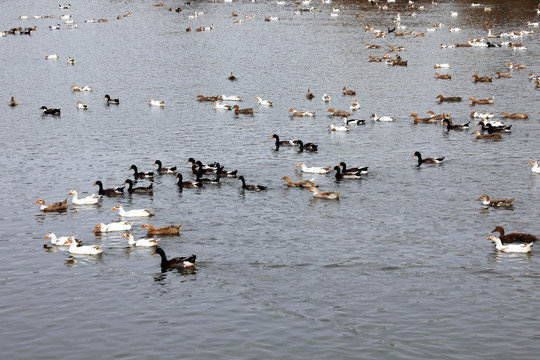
pixel 399 268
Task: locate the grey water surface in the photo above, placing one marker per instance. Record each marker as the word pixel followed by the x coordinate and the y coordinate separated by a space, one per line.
pixel 398 268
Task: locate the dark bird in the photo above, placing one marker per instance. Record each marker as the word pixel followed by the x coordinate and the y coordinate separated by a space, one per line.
pixel 177 262
pixel 450 125
pixel 187 184
pixel 49 111
pixel 250 187
pixel 111 101
pixel 307 146
pixel 142 174
pixel 345 169
pixel 309 95
pixel 350 175
pixel 514 237
pixel 109 192
pixel 282 142
pixel 139 190
pixel 225 173
pixel 421 161
pixel 232 77
pixel 164 170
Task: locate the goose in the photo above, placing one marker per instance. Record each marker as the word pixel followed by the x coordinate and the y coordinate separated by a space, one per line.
pixel 481 78
pixel 12 102
pixel 246 111
pixel 328 195
pixel 333 127
pixel 114 226
pixel 109 192
pixel 515 115
pixel 495 202
pixel 345 169
pixel 219 106
pixel 417 120
pixel 156 103
pixel 264 102
pixel 132 213
pixel 326 98
pixel 163 230
pixel 309 95
pixel 164 170
pixel 448 99
pixel 535 168
pixel 83 250
pixel 47 111
pixel 111 101
pixel 232 77
pixel 282 142
pixel 486 136
pixel 256 188
pixel 421 161
pixel 511 248
pixel 140 242
pixel 303 183
pixel 314 169
pixel 307 146
pixel 59 241
pixel 230 97
pixel 301 113
pixel 348 92
pixel 482 101
pixel 52 56
pixel 514 237
pixel 450 125
pixel 182 262
pixel 443 77
pixel 88 200
pixel 81 106
pixel 381 118
pixel 349 175
pixel 348 121
pixel 338 112
pixel 187 184
pixel 139 190
pixel 141 174
pixel 59 206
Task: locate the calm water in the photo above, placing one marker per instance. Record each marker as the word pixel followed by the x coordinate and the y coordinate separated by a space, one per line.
pixel 399 268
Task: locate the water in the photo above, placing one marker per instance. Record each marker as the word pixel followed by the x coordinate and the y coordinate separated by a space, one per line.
pixel 399 268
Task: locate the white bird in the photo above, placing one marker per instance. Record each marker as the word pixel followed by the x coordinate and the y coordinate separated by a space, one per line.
pixel 140 242
pixel 132 213
pixel 510 248
pixel 60 241
pixel 453 13
pixel 81 106
pixel 382 118
pixel 333 127
pixel 220 106
pixel 52 56
pixel 264 102
pixel 535 168
pixel 70 60
pixel 326 98
pixel 476 114
pixel 314 169
pixel 231 98
pixel 114 226
pixel 65 17
pixel 54 27
pixel 156 103
pixel 438 66
pixel 89 200
pixel 355 105
pixel 83 250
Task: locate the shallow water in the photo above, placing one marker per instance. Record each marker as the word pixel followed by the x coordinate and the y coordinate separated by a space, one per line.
pixel 398 268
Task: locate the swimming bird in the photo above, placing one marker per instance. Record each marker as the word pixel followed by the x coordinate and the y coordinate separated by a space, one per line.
pixel 515 115
pixel 264 102
pixel 219 106
pixel 47 111
pixel 514 237
pixel 198 163
pixel 448 99
pixel 481 78
pixel 348 92
pixel 149 189
pixel 338 112
pixel 114 226
pixel 164 170
pixel 511 248
pixel 482 101
pixel 333 127
pixel 132 213
pixel 109 192
pixel 156 103
pixel 328 195
pixel 486 136
pixel 438 116
pixel 309 95
pixel 70 60
pixel 187 184
pixel 349 175
pixel 111 101
pixel 345 169
pixel 232 77
pixel 282 142
pixel 163 230
pixel 256 188
pixel 495 202
pixel 81 88
pixel 231 98
pixel 59 206
pixel 141 174
pixel 12 102
pixel 88 200
pixel 307 146
pixel 199 173
pixel 441 66
pixel 177 262
pixel 81 106
pixel 443 76
pixel 355 105
pixel 140 242
pixel 421 161
pixel 326 98
pixel 499 75
pixel 54 27
pixel 246 111
pixel 302 183
pixel 417 120
pixel 83 250
pixel 348 121
pixel 52 56
pixel 301 113
pixel 381 118
pixel 314 169
pixel 535 168
pixel 59 241
pixel 225 173
pixel 451 126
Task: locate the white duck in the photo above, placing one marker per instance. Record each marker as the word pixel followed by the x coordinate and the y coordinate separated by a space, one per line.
pixel 140 242
pixel 83 250
pixel 382 118
pixel 231 98
pixel 222 106
pixel 89 200
pixel 132 213
pixel 264 102
pixel 355 105
pixel 59 241
pixel 52 56
pixel 301 113
pixel 333 127
pixel 314 169
pixel 326 98
pixel 81 106
pixel 510 248
pixel 535 168
pixel 476 114
pixel 156 103
pixel 114 226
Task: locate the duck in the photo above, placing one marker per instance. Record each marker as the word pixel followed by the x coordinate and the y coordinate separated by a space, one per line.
pixel 421 161
pixel 515 115
pixel 70 60
pixel 256 188
pixel 47 111
pixel 219 106
pixel 140 242
pixel 494 126
pixel 59 241
pixel 12 102
pixel 52 56
pixel 307 146
pixel 381 118
pixel 486 136
pixel 109 192
pixel 59 206
pixel 156 103
pixel 141 174
pixel 345 169
pixel 448 98
pixel 338 112
pixel 264 102
pixel 450 125
pixel 499 75
pixel 149 189
pixel 164 230
pixel 326 98
pixel 443 77
pixel 199 173
pixel 74 248
pixel 355 105
pixel 88 200
pixel 328 195
pixel 111 101
pixel 511 248
pixel 54 27
pixel 204 169
pixel 81 106
pixel 495 202
pixel 481 78
pixel 208 98
pixel 438 116
pixel 301 113
pixel 476 114
pixel 282 142
pixel 309 95
pixel 182 262
pixel 417 120
pixel 246 111
pixel 348 92
pixel 195 164
pixel 225 173
pixel 348 121
pixel 164 170
pixel 114 226
pixel 132 213
pixel 441 66
pixel 349 175
pixel 231 97
pixel 535 168
pixel 514 237
pixel 187 184
pixel 516 66
pixel 482 101
pixel 314 169
pixel 232 77
pixel 333 127
pixel 81 88
pixel 303 183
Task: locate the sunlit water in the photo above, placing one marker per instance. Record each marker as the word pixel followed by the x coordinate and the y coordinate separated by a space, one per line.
pixel 398 268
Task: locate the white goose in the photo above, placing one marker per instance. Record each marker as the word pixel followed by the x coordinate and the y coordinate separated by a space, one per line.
pixel 222 106
pixel 89 200
pixel 140 242
pixel 510 248
pixel 535 168
pixel 231 98
pixel 83 250
pixel 264 102
pixel 156 103
pixel 114 226
pixel 381 118
pixel 333 127
pixel 314 169
pixel 132 213
pixel 59 241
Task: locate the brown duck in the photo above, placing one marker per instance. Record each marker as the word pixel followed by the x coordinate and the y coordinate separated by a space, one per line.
pixel 448 99
pixel 164 230
pixel 57 206
pixel 303 183
pixel 246 111
pixel 495 202
pixel 514 237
